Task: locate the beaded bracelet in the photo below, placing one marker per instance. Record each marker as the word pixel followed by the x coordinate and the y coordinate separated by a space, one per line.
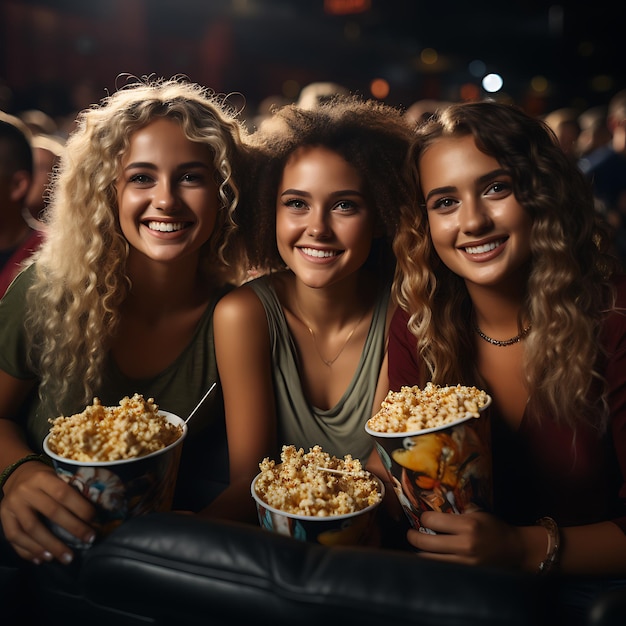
pixel 554 544
pixel 11 468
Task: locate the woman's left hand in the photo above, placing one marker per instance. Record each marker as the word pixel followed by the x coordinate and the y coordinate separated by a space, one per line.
pixel 476 538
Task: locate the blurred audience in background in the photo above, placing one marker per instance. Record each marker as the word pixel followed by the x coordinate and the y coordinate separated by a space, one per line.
pixel 18 240
pixel 606 169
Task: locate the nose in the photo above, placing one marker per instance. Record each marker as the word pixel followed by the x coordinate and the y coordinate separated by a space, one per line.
pixel 317 225
pixel 474 216
pixel 164 197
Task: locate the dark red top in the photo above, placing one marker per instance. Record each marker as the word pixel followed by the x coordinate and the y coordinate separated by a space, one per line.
pixel 13 266
pixel 542 469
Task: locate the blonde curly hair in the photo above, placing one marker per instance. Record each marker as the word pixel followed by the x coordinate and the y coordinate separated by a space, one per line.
pixel 568 291
pixel 80 278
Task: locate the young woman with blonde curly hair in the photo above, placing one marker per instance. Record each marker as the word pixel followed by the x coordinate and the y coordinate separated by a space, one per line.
pixel 120 298
pixel 503 282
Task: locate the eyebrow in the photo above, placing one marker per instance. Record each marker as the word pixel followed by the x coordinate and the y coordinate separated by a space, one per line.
pixel 151 166
pixel 485 178
pixel 341 192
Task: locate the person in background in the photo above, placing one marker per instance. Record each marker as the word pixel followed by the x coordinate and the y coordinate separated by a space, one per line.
pixel 300 348
pixel 18 240
pixel 616 120
pixel 606 169
pixel 120 297
pixel 504 282
pixel 565 125
pixel 47 150
pixel 314 94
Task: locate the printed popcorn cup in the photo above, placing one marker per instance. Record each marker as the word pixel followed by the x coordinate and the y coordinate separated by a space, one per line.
pixel 445 468
pixel 122 489
pixel 332 530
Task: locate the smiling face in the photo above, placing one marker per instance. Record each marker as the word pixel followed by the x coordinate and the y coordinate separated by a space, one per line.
pixel 167 194
pixel 478 228
pixel 324 226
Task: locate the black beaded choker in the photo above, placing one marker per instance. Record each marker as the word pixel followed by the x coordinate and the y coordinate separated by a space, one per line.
pixel 506 342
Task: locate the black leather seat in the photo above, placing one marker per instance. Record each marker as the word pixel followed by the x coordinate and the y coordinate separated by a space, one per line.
pixel 173 569
pixel 178 570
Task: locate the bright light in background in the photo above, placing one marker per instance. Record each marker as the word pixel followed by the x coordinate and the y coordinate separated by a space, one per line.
pixel 379 88
pixel 492 83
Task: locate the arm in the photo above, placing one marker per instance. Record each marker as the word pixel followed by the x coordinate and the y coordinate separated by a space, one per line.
pixel 33 490
pixel 244 361
pixel 480 538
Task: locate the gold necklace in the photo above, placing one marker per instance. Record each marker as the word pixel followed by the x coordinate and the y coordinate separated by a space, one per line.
pixel 327 362
pixel 505 342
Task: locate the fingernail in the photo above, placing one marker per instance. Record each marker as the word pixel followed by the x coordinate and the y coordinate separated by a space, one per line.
pixel 66 558
pixel 36 561
pixel 47 556
pixel 90 538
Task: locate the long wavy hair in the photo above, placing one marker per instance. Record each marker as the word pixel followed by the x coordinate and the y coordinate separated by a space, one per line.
pixel 81 280
pixel 569 289
pixel 372 137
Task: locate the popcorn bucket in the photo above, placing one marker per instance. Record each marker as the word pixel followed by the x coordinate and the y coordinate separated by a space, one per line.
pixel 122 489
pixel 347 529
pixel 446 468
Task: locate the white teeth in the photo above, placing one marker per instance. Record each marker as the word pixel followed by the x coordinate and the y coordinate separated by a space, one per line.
pixel 320 254
pixel 484 248
pixel 166 227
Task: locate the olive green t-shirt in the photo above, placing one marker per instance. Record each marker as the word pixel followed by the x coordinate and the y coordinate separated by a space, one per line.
pixel 178 388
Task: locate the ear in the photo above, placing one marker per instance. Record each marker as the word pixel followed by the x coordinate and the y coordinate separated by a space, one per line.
pixel 20 184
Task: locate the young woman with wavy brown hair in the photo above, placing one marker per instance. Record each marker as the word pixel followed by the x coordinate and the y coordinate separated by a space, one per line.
pixel 504 282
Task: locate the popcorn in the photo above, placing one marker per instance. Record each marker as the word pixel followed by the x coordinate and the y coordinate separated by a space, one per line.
pixel 132 429
pixel 413 409
pixel 315 483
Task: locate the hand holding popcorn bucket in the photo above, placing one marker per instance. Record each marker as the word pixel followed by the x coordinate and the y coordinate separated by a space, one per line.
pixel 123 459
pixel 435 444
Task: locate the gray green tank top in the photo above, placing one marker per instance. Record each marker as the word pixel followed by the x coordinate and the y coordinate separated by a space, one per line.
pixel 341 429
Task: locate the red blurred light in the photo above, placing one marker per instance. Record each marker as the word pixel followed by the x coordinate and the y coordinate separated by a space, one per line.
pixel 346 7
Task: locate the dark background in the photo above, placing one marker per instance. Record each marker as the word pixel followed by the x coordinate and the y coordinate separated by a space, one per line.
pixel 61 55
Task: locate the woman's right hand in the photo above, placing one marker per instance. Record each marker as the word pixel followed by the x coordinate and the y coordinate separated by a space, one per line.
pixel 32 494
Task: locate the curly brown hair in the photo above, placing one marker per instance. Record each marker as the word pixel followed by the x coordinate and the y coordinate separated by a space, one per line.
pixel 371 136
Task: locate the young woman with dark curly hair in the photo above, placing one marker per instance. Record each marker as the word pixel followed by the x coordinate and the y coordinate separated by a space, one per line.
pixel 300 348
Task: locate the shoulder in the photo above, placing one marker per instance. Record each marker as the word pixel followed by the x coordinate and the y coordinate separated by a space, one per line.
pixel 241 305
